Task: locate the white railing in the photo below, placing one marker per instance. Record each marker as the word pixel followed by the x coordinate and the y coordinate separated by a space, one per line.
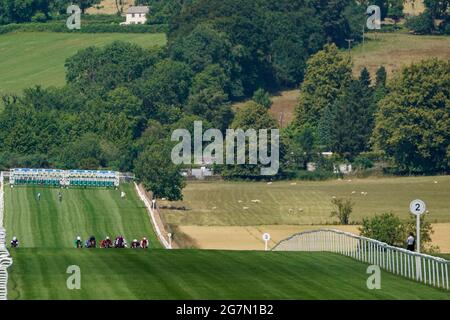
pixel 149 207
pixel 5 259
pixel 419 267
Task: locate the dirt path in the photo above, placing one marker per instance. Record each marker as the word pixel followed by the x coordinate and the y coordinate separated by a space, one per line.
pixel 249 237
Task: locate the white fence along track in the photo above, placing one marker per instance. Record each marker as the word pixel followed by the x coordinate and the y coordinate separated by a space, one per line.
pixel 149 207
pixel 5 259
pixel 416 266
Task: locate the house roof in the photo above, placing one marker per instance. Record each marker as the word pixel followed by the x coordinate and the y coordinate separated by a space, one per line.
pixel 138 9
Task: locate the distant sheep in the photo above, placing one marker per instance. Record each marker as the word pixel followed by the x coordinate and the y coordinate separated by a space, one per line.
pixel 256 201
pixel 245 208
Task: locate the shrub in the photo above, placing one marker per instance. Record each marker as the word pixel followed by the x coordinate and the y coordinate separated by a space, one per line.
pixel 39 17
pixel 385 227
pixel 421 24
pixel 388 228
pixel 342 209
pixel 362 163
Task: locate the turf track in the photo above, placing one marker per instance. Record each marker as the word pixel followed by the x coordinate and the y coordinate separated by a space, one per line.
pixel 49 223
pixel 201 274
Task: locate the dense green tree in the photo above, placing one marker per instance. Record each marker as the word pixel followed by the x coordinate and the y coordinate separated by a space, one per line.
pixel 154 168
pixel 97 70
pixel 395 10
pixel 385 227
pixel 253 116
pixel 85 4
pixel 165 90
pixel 262 97
pixel 421 24
pixel 380 89
pixel 87 152
pixel 438 8
pixel 249 116
pixel 270 42
pixel 352 120
pixel 328 72
pixel 299 147
pixel 364 77
pixel 388 228
pixel 325 129
pixel 413 120
pixel 208 98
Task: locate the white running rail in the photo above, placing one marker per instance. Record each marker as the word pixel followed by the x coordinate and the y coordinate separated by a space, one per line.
pixel 416 266
pixel 5 259
pixel 152 216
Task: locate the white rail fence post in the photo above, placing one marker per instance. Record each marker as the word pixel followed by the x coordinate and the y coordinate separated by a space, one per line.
pixel 5 259
pixel 420 267
pixel 149 207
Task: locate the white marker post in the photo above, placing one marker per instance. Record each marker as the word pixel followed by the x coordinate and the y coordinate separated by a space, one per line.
pixel 154 204
pixel 417 207
pixel 266 238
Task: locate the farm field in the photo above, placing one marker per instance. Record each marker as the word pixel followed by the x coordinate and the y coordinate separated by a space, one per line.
pixel 394 50
pixel 49 223
pixel 201 274
pixel 307 202
pixel 37 58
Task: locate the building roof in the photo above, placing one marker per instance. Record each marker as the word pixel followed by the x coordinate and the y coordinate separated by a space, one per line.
pixel 138 9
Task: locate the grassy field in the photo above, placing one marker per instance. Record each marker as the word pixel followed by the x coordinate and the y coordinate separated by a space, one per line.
pixel 201 274
pixel 37 58
pixel 49 223
pixel 294 203
pixel 394 50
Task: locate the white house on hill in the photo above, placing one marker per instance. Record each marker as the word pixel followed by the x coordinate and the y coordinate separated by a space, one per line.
pixel 136 15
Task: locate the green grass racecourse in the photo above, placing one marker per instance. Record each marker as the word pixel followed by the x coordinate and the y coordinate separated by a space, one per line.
pixel 37 58
pixel 46 229
pixel 49 223
pixel 197 274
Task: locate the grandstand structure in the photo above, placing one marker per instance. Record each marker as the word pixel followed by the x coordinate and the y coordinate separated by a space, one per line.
pixel 64 178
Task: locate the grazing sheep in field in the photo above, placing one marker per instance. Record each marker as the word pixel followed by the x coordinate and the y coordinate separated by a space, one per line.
pixel 293 183
pixel 256 201
pixel 269 182
pixel 291 211
pixel 300 209
pixel 240 201
pixel 334 197
pixel 214 208
pixel 353 192
pixel 245 208
pixel 435 181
